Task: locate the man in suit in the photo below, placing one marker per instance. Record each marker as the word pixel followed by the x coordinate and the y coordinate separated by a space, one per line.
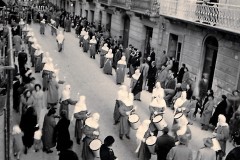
pixel 163 144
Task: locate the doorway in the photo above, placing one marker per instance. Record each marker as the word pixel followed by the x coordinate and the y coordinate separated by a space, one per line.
pixel 175 46
pixel 86 14
pixel 148 41
pixel 210 58
pixel 126 29
pixel 109 21
pixel 92 16
pixel 100 17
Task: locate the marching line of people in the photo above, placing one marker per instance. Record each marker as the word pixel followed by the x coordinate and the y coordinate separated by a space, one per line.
pixel 167 93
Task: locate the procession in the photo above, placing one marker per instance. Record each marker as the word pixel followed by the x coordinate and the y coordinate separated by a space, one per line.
pixel 78 93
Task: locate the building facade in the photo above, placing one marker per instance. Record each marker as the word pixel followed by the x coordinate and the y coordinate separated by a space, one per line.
pixel 203 35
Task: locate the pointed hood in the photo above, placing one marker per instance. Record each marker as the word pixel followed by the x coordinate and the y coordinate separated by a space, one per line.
pixel 93 121
pixel 137 74
pixel 66 92
pixel 122 61
pixel 60 37
pixel 142 129
pixel 105 47
pixel 109 54
pixel 93 40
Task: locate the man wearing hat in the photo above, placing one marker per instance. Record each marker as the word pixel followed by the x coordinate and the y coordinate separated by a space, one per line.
pixel 181 151
pixel 234 153
pixel 206 153
pixel 163 144
pixel 106 152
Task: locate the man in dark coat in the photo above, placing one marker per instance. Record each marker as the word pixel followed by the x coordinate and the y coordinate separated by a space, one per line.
pixel 181 73
pixel 106 153
pixel 68 154
pixel 152 55
pixel 234 153
pixel 163 144
pixel 151 76
pixel 62 132
pixel 22 60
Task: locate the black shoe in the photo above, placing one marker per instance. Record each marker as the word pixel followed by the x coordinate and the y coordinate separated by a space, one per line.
pixel 36 150
pixel 115 123
pixel 78 141
pixel 127 137
pixel 25 150
pixel 121 137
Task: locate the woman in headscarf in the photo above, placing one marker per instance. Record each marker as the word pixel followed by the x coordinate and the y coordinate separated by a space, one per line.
pixel 66 100
pixel 107 69
pixel 220 109
pixel 83 32
pixel 207 113
pixel 38 59
pixel 136 84
pixel 39 104
pixel 158 91
pixel 180 127
pixel 91 131
pixel 48 70
pixel 120 71
pixel 48 131
pixel 60 40
pixel 142 134
pixel 104 51
pixel 27 125
pixel 93 43
pixel 125 109
pixel 222 134
pixel 122 94
pixel 80 114
pixel 52 93
pixel 42 26
pixel 62 131
pixel 86 42
pixel 25 101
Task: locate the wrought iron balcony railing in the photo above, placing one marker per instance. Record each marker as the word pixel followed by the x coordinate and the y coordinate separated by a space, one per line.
pixel 121 3
pixel 221 16
pixel 106 2
pixel 141 5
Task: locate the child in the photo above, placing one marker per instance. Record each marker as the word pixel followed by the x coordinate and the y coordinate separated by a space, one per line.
pixel 17 141
pixel 37 138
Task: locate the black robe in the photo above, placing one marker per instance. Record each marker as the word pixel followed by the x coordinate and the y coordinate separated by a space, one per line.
pixel 106 153
pixel 68 155
pixel 62 133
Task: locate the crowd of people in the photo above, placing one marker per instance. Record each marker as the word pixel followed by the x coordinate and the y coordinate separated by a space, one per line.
pixel 44 125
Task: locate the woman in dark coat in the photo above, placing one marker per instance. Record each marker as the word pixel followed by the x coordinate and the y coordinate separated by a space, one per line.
pixel 106 153
pixel 62 132
pixel 80 114
pixel 27 125
pixel 181 73
pixel 151 76
pixel 48 134
pixel 221 109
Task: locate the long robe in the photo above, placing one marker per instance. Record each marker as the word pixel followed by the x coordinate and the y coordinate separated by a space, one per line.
pixel 92 50
pixel 222 137
pixel 102 57
pixel 221 109
pixel 120 73
pixel 27 125
pixel 17 142
pixel 38 102
pixel 62 133
pixel 144 153
pixel 124 127
pixel 87 153
pixel 116 58
pixel 85 45
pixel 80 122
pixel 107 69
pixel 207 113
pixel 38 63
pixel 136 85
pixel 24 103
pixel 48 132
pixel 46 75
pixel 67 25
pixel 42 28
pixel 116 113
pixel 64 105
pixel 52 96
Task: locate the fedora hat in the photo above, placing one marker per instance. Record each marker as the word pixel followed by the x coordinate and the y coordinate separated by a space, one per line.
pixel 208 142
pixel 183 139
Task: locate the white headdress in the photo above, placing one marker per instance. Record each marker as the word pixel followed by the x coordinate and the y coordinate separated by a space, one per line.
pixel 122 60
pixel 137 74
pixel 66 92
pixel 142 129
pixel 93 121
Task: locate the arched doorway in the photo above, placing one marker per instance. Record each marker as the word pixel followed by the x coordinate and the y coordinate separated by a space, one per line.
pixel 126 29
pixel 210 58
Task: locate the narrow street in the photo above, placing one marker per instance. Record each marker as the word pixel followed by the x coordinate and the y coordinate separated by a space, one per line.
pixel 86 78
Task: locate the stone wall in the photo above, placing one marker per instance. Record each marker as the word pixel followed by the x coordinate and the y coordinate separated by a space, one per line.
pixel 117 24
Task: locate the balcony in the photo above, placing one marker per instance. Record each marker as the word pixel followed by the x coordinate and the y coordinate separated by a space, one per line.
pixel 141 5
pixel 105 2
pixel 121 3
pixel 221 16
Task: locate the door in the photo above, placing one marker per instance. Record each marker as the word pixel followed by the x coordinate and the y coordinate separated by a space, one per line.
pixel 92 16
pixel 211 49
pixel 109 21
pixel 126 29
pixel 148 41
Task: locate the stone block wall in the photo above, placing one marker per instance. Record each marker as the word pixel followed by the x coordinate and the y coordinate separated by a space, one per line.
pixel 117 24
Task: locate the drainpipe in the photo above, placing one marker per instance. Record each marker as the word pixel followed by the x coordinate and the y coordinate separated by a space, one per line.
pixel 9 104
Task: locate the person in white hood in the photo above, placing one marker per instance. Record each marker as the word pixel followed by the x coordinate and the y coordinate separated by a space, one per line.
pixel 48 70
pixel 38 59
pixel 42 26
pixel 104 51
pixel 60 40
pixel 66 99
pixel 120 71
pixel 107 68
pixel 86 42
pixel 93 43
pixel 80 114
